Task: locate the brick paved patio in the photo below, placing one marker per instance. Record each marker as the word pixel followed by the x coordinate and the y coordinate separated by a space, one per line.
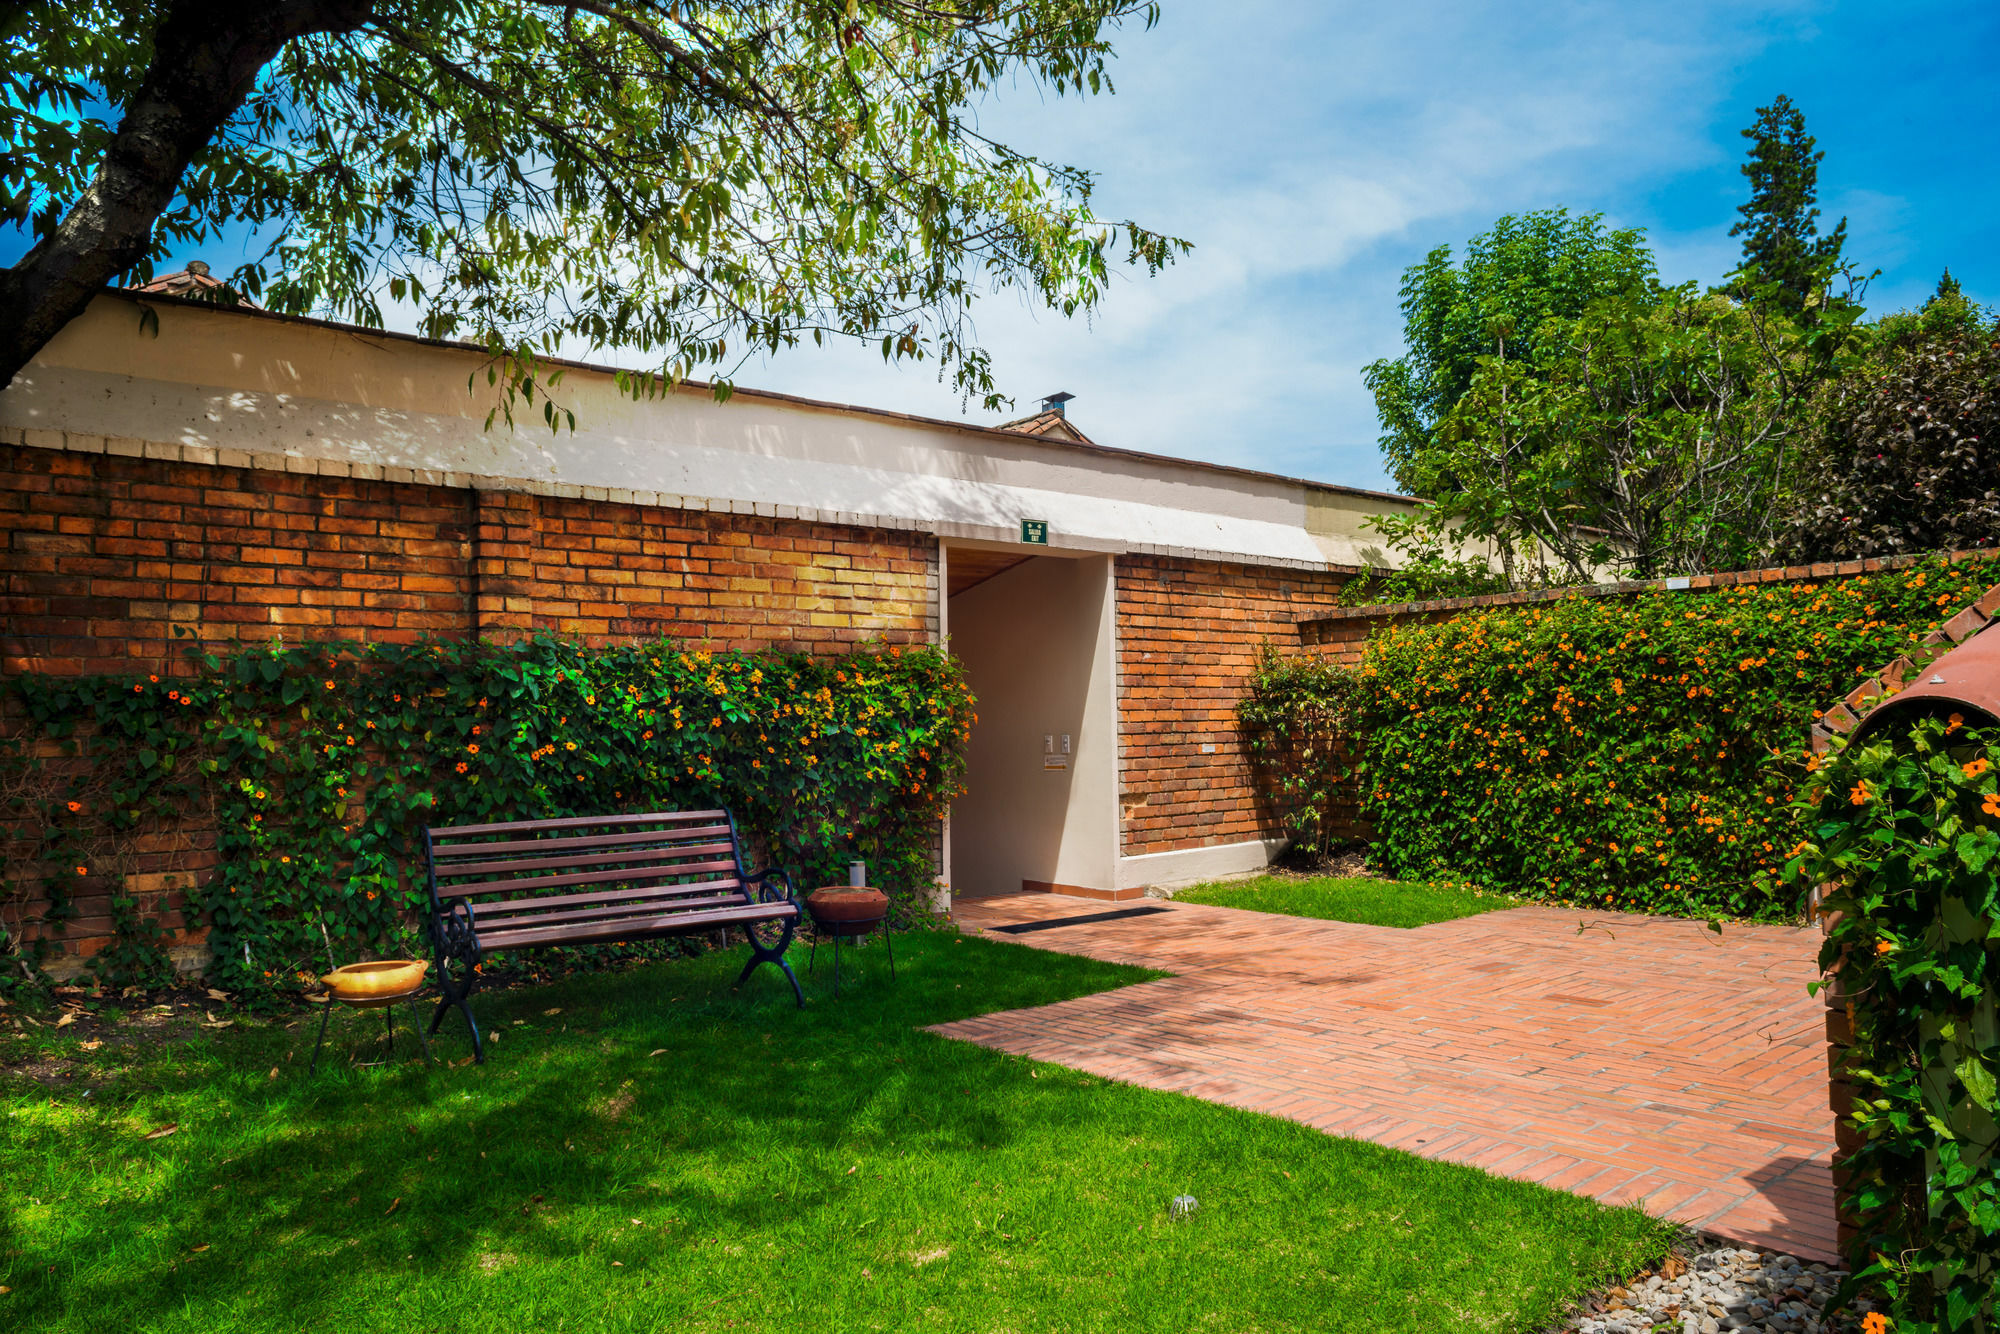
pixel 1641 1059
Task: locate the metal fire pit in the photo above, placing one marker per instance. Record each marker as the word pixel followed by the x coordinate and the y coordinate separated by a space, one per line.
pixel 847 912
pixel 373 986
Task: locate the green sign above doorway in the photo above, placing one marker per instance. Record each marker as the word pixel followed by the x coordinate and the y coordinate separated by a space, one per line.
pixel 1035 532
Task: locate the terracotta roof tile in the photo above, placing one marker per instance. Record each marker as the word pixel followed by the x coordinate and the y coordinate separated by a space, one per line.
pixel 194 281
pixel 1050 424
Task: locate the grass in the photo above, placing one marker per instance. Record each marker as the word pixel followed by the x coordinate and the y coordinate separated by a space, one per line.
pixel 647 1151
pixel 1352 899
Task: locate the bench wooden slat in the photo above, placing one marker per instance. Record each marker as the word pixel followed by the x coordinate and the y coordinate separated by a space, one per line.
pixel 635 874
pixel 661 893
pixel 658 855
pixel 662 837
pixel 673 924
pixel 574 822
pixel 646 908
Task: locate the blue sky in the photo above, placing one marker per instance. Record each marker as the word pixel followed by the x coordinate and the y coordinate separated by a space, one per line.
pixel 1312 151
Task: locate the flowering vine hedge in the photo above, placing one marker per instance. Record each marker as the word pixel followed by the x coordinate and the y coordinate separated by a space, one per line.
pixel 319 765
pixel 1904 830
pixel 1638 752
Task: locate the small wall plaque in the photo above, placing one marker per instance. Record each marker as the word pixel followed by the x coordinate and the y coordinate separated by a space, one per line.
pixel 1035 532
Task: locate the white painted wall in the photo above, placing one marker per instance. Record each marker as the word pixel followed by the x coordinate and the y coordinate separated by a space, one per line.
pixel 1036 641
pixel 360 401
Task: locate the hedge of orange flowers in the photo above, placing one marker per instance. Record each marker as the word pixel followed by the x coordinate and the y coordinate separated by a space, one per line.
pixel 322 763
pixel 1635 752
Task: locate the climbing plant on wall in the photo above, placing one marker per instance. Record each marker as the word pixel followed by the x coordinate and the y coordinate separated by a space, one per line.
pixel 1634 752
pixel 1903 829
pixel 318 765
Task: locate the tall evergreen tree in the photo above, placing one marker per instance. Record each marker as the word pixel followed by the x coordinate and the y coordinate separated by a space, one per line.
pixel 1783 250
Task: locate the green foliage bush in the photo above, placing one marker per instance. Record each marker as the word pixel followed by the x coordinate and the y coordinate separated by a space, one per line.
pixel 319 765
pixel 1639 752
pixel 1904 830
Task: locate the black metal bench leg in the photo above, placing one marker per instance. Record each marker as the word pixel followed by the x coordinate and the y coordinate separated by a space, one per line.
pixel 456 997
pixel 775 954
pixel 889 941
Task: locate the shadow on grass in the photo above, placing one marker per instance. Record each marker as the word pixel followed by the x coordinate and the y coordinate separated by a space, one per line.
pixel 661 1152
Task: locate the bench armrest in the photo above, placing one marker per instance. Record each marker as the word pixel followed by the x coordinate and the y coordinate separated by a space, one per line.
pixel 767 880
pixel 455 931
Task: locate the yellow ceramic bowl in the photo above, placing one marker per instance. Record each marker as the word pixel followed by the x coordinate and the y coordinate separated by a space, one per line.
pixel 386 977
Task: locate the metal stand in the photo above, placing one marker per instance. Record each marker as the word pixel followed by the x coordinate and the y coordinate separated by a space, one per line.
pixel 387 1005
pixel 888 943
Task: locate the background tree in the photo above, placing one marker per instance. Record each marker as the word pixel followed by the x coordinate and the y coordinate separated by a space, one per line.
pixel 1782 247
pixel 1523 272
pixel 1904 453
pixel 695 181
pixel 1652 438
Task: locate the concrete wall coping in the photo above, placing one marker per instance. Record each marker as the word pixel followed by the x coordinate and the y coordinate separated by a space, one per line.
pixel 168 451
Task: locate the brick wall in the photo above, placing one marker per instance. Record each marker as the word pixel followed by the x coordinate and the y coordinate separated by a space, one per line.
pixel 114 563
pixel 102 555
pixel 1189 633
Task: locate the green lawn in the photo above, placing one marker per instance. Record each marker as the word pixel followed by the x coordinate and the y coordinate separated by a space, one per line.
pixel 1355 899
pixel 645 1151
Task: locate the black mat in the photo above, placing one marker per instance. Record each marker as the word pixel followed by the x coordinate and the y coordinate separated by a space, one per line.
pixel 1049 923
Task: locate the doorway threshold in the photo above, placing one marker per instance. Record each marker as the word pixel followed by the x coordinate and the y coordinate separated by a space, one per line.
pixel 1050 923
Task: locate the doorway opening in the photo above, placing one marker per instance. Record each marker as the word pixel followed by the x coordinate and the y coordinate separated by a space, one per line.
pixel 1036 635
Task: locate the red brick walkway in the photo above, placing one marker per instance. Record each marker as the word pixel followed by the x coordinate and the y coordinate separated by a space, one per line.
pixel 1642 1059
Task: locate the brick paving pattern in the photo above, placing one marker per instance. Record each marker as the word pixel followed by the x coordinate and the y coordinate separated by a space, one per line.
pixel 1639 1059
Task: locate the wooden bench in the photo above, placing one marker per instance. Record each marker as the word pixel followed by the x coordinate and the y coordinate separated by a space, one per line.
pixel 594 880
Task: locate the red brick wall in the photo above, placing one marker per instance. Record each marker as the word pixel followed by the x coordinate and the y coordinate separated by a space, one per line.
pixel 103 556
pixel 1189 633
pixel 601 572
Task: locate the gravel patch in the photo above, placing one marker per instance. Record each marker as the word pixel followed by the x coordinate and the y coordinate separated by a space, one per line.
pixel 1721 1288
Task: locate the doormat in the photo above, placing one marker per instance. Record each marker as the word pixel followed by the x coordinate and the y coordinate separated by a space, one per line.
pixel 1049 923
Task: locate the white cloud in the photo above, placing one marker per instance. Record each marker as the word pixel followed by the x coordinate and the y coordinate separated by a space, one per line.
pixel 1310 153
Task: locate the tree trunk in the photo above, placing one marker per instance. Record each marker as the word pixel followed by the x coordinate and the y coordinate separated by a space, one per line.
pixel 205 59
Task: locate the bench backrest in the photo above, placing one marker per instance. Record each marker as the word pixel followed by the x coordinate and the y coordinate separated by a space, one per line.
pixel 656 858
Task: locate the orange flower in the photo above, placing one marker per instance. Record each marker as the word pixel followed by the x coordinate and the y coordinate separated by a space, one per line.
pixel 472 749
pixel 1874 1323
pixel 461 766
pixel 1953 723
pixel 1884 946
pixel 590 699
pixel 1977 767
pixel 83 870
pixel 1859 796
pixel 1991 805
pixel 75 806
pixel 329 685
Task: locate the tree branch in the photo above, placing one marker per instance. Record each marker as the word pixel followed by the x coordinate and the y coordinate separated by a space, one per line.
pixel 205 59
